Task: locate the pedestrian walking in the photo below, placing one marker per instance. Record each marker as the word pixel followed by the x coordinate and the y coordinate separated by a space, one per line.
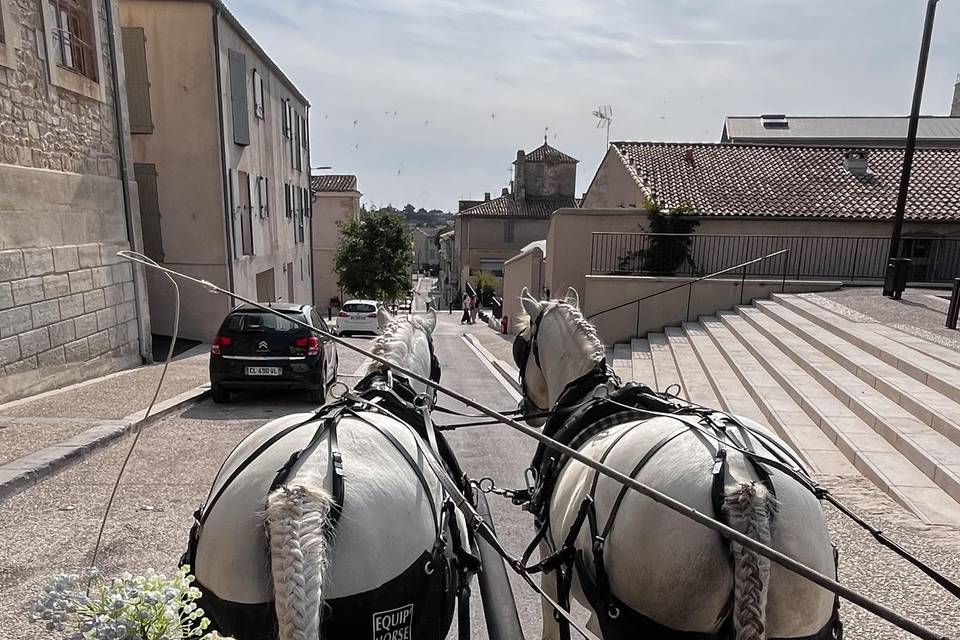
pixel 474 307
pixel 466 310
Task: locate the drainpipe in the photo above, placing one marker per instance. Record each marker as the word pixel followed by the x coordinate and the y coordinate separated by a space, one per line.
pixel 224 174
pixel 144 341
pixel 313 291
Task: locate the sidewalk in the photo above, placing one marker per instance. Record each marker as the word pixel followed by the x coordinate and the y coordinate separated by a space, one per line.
pixel 43 434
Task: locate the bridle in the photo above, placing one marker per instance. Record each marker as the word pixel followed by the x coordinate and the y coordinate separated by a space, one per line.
pixel 522 349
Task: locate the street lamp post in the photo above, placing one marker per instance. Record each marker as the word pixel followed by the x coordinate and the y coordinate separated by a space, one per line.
pixel 911 144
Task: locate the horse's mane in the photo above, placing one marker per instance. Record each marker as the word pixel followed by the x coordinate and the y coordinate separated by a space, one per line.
pixel 394 342
pixel 586 330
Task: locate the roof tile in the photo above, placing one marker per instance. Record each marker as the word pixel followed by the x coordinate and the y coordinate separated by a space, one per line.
pixel 793 181
pixel 546 152
pixel 507 207
pixel 333 183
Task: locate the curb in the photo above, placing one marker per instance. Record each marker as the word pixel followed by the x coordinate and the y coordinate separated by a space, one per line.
pixel 22 473
pixel 506 372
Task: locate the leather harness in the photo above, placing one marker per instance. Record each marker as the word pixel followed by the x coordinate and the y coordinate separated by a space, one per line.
pixel 596 402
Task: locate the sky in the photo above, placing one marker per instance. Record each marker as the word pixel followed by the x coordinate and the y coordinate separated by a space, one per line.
pixel 427 101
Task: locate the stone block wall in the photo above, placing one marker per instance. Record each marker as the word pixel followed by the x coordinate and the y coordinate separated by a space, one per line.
pixel 48 127
pixel 64 311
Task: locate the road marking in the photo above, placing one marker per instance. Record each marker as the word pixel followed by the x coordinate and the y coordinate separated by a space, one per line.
pixel 496 374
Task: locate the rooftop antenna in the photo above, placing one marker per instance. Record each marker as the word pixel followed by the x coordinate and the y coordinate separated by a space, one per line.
pixel 604 115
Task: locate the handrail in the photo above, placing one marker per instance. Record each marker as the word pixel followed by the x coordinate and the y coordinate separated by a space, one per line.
pixel 690 283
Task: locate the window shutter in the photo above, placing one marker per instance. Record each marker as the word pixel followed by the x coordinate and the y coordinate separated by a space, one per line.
pixel 238 97
pixel 257 88
pixel 146 177
pixel 138 86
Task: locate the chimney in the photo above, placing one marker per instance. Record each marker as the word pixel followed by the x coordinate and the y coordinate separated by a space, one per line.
pixel 486 196
pixel 955 109
pixel 856 161
pixel 505 192
pixel 519 186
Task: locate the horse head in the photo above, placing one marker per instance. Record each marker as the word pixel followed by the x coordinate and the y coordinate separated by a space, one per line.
pixel 555 345
pixel 407 342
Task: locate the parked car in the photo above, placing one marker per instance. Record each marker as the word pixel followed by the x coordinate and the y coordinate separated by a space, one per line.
pixel 255 349
pixel 358 316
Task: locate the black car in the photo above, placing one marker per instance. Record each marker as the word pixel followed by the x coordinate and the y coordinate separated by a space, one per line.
pixel 255 349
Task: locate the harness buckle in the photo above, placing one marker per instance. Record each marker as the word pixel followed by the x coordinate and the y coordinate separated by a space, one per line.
pixel 598 543
pixel 720 458
pixel 337 462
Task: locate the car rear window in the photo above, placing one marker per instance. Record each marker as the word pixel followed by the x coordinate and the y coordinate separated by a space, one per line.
pixel 358 307
pixel 263 323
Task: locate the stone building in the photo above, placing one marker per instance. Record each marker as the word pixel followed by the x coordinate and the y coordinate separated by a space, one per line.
pixel 335 199
pixel 491 231
pixel 426 256
pixel 220 145
pixel 69 308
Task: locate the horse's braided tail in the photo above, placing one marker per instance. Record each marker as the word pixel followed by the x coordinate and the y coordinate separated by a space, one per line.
pixel 298 523
pixel 749 509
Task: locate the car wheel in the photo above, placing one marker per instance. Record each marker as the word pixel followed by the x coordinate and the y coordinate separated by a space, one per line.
pixel 220 395
pixel 318 396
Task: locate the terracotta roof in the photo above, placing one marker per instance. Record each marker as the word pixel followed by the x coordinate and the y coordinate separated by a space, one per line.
pixel 333 183
pixel 507 207
pixel 787 181
pixel 546 152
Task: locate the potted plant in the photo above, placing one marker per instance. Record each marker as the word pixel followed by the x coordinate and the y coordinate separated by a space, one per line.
pixel 147 607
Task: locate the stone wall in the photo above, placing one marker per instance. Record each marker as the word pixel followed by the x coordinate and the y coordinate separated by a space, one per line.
pixel 64 311
pixel 68 305
pixel 48 127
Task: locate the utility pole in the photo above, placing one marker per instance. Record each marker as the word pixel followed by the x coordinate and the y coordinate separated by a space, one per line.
pixel 911 143
pixel 912 129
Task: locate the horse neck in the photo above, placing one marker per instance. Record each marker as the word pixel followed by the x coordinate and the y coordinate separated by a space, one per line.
pixel 573 358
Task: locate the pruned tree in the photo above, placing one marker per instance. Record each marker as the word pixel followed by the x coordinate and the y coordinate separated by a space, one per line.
pixel 374 257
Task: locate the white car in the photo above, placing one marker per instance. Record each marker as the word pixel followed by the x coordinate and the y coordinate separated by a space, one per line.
pixel 358 316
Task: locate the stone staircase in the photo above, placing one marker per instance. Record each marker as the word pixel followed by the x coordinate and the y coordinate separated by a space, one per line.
pixel 854 398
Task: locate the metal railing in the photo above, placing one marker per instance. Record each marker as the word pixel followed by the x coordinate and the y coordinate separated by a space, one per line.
pixel 842 258
pixel 743 267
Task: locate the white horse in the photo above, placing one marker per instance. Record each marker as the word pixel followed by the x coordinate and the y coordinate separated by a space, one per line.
pixel 270 558
pixel 668 568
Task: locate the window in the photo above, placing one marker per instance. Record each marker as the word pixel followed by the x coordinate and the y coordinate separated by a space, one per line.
pixel 238 97
pixel 307 205
pixel 246 219
pixel 508 230
pixel 304 137
pixel 287 126
pixel 257 95
pixel 494 267
pixel 288 200
pixel 295 127
pixel 263 196
pixel 298 234
pixel 138 85
pixel 73 37
pixel 146 177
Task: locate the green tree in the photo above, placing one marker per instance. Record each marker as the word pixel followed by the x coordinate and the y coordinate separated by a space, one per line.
pixel 374 257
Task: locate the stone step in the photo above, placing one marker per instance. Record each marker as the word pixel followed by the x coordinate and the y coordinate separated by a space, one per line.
pixel 782 412
pixel 932 372
pixel 642 362
pixel 693 378
pixel 664 367
pixel 623 362
pixel 938 352
pixel 931 407
pixel 733 396
pixel 899 454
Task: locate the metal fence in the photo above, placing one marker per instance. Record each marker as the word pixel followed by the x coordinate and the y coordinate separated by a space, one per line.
pixel 829 257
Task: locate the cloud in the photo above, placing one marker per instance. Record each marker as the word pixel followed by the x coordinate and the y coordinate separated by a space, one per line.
pixel 471 81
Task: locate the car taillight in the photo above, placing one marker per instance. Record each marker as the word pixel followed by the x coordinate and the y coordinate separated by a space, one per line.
pixel 371 315
pixel 343 314
pixel 312 345
pixel 220 341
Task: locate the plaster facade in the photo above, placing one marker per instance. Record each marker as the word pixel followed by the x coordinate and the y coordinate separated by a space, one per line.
pixel 329 208
pixel 70 309
pixel 223 206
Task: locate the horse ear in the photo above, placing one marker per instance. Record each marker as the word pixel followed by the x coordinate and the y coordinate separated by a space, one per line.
pixel 430 320
pixel 572 298
pixel 383 318
pixel 530 305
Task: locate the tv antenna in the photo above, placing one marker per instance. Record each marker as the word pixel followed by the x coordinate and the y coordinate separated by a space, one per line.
pixel 604 115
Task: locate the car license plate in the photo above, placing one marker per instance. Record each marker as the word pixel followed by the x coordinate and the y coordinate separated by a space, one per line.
pixel 263 371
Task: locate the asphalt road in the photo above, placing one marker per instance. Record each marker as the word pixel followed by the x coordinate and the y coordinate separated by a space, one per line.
pixel 51 528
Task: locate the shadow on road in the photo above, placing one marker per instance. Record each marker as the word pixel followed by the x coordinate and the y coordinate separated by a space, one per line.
pixel 253 405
